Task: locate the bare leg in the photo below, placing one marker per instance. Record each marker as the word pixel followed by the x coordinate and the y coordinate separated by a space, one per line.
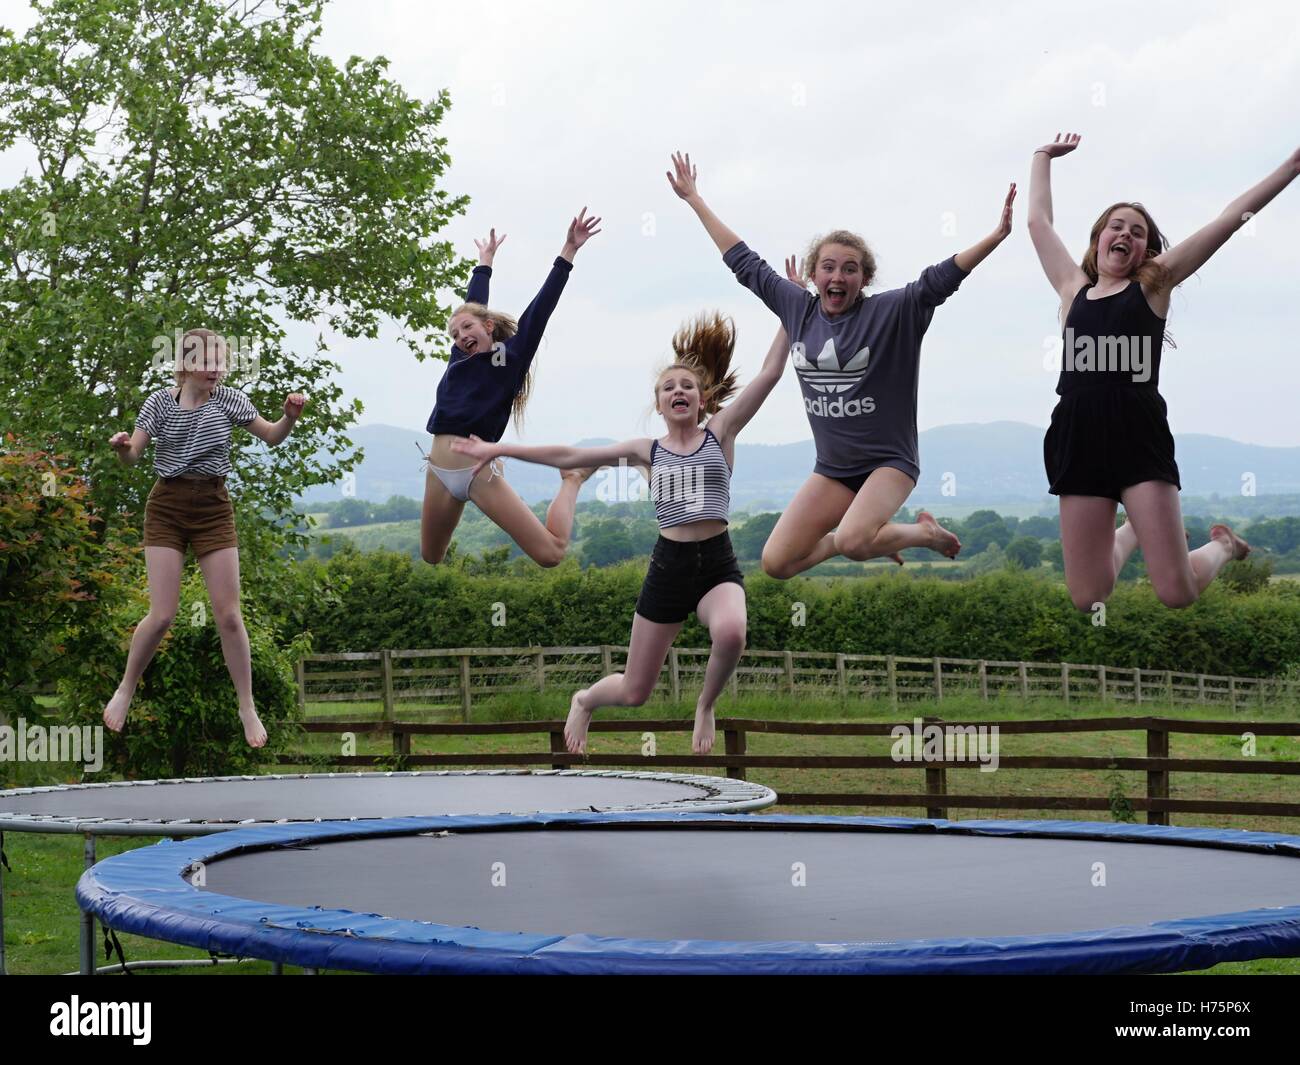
pixel 438 519
pixel 722 611
pixel 804 535
pixel 221 575
pixel 1089 548
pixel 866 531
pixel 1126 542
pixel 542 543
pixel 1177 575
pixel 164 566
pixel 646 653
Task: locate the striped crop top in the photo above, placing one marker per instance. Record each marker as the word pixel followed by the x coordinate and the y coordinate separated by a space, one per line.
pixel 687 488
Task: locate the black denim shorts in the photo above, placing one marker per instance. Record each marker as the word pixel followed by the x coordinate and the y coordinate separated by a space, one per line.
pixel 681 574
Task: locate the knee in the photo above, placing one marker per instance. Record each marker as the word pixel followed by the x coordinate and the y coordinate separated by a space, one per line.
pixel 777 567
pixel 161 619
pixel 230 622
pixel 856 544
pixel 1086 599
pixel 729 637
pixel 636 693
pixel 433 555
pixel 549 558
pixel 1176 598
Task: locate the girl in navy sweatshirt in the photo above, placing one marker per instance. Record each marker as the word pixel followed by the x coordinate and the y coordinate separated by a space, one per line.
pixel 489 376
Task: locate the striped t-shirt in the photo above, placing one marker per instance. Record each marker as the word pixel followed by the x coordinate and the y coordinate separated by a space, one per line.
pixel 194 441
pixel 693 487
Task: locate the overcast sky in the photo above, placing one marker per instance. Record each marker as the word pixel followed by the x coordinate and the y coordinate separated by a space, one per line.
pixel 904 123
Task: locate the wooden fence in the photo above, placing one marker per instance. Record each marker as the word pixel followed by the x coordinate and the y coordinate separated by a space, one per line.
pixel 457 676
pixel 936 798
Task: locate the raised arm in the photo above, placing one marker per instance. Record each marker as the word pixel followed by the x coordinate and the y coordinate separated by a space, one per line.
pixel 532 323
pixel 634 452
pixel 275 433
pixel 129 446
pixel 1188 256
pixel 477 292
pixel 1062 271
pixel 974 255
pixel 682 179
pixel 728 422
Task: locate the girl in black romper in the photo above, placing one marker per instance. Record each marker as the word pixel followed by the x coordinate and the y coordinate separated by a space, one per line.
pixel 1109 441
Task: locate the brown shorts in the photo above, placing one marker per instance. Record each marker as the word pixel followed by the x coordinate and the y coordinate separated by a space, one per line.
pixel 190 510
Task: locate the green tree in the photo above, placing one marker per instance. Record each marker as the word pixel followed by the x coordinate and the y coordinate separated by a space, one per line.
pixel 198 164
pixel 982 528
pixel 1026 552
pixel 605 542
pixel 749 539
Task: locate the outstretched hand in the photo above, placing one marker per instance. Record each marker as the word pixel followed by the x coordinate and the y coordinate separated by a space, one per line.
pixel 487 249
pixel 682 176
pixel 120 441
pixel 1063 145
pixel 581 230
pixel 293 405
pixel 1004 223
pixel 475 447
pixel 792 271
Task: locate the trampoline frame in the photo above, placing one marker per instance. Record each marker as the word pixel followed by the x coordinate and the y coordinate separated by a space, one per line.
pixel 728 795
pixel 145 893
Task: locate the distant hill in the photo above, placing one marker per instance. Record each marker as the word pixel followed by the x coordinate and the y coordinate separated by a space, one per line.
pixel 990 464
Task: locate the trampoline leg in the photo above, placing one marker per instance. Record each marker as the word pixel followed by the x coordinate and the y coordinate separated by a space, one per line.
pixel 277 968
pixel 2 904
pixel 87 921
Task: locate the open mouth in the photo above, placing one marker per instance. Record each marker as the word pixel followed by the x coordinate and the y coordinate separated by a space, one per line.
pixel 680 403
pixel 835 295
pixel 1119 248
pixel 468 345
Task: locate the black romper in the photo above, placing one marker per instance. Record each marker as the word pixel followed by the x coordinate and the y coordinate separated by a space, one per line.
pixel 1109 431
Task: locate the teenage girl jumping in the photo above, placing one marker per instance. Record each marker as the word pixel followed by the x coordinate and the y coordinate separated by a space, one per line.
pixel 489 376
pixel 693 567
pixel 1109 440
pixel 858 361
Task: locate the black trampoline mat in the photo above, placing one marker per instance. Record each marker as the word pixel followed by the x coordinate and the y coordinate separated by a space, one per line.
pixel 738 884
pixel 343 797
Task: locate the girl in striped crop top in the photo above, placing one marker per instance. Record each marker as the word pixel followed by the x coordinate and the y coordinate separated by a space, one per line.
pixel 693 567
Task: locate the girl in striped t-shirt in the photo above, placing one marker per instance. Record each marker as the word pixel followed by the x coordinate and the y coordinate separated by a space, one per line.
pixel 190 426
pixel 693 567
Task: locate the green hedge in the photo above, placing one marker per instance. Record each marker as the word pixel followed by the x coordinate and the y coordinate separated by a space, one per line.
pixel 363 602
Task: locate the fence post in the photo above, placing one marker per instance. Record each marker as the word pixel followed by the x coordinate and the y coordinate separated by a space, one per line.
pixel 401 742
pixel 1157 779
pixel 606 660
pixel 541 670
pixel 736 743
pixel 1137 685
pixel 984 680
pixel 789 673
pixel 936 777
pixel 938 679
pixel 674 678
pixel 464 687
pixel 1232 692
pixel 386 671
pixel 1065 681
pixel 891 671
pixel 1024 681
pixel 1169 686
pixel 1200 687
pixel 557 747
pixel 1101 683
pixel 300 672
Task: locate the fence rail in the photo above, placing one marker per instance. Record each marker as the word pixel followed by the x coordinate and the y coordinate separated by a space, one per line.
pixel 459 675
pixel 935 798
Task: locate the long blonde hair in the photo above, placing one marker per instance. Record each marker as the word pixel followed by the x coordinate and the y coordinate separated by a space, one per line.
pixel 501 327
pixel 1148 272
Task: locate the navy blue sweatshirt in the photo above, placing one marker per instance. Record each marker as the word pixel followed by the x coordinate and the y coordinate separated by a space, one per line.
pixel 475 394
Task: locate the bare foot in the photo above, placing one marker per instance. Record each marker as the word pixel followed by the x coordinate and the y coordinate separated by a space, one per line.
pixel 941 540
pixel 115 711
pixel 254 732
pixel 896 557
pixel 575 728
pixel 1224 535
pixel 705 732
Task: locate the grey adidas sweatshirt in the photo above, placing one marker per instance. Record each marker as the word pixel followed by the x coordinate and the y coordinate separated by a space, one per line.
pixel 859 370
